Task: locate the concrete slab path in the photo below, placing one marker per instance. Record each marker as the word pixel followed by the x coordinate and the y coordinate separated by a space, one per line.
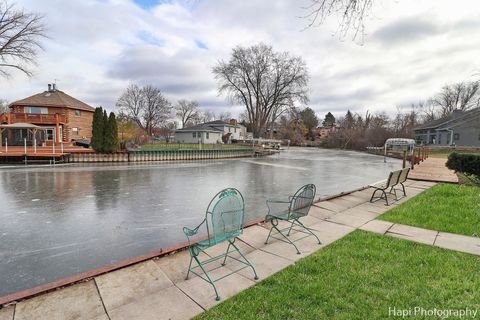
pixel 157 288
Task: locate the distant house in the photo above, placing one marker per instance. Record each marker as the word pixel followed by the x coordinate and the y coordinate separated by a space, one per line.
pixel 324 132
pixel 211 132
pixel 55 116
pixel 460 128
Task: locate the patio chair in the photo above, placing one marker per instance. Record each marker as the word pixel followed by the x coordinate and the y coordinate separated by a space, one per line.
pixel 390 183
pixel 401 180
pixel 291 211
pixel 223 223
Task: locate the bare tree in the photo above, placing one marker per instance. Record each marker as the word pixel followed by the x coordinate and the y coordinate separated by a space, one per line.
pixel 350 13
pixel 187 111
pixel 145 106
pixel 224 116
pixel 207 116
pixel 20 34
pixel 4 106
pixel 262 80
pixel 458 96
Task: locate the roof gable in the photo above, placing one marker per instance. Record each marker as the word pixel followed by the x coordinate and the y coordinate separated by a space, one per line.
pixel 54 98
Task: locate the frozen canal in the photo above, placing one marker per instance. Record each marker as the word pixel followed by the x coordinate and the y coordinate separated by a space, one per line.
pixel 57 222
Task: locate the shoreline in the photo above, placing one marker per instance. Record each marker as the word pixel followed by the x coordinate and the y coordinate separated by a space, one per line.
pixel 85 276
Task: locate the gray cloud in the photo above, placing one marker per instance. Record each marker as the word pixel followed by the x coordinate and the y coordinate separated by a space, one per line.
pixel 407 30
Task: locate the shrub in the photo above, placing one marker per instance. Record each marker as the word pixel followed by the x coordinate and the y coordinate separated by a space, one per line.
pixel 465 163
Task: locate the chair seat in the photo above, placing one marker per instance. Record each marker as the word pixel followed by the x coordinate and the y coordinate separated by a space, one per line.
pixel 218 239
pixel 283 215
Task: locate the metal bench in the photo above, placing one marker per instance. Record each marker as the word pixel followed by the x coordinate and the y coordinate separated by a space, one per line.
pixel 401 180
pixel 390 183
pixel 291 211
pixel 223 223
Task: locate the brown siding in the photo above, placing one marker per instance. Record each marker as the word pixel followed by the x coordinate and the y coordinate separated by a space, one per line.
pixel 51 110
pixel 82 122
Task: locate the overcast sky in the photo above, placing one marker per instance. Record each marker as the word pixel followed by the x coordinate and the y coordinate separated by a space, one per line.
pixel 97 47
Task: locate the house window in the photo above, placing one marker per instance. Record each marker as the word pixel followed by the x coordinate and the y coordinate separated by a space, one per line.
pixel 194 134
pixel 235 130
pixel 208 135
pixel 229 129
pixel 439 139
pixel 456 136
pixel 78 113
pixel 75 131
pixel 35 110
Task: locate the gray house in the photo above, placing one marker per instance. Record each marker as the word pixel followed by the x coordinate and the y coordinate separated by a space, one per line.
pixel 201 133
pixel 461 128
pixel 211 132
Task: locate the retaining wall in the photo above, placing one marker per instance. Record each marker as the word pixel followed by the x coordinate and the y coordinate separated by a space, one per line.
pixel 163 155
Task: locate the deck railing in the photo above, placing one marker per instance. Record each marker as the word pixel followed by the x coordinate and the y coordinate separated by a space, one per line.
pixel 32 118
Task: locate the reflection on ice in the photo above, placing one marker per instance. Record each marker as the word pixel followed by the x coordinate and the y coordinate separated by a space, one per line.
pixel 72 218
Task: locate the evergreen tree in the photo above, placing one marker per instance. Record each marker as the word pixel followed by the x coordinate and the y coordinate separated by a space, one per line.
pixel 111 134
pixel 98 130
pixel 329 120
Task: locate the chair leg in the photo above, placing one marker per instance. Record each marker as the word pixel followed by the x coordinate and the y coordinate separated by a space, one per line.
pixel 189 266
pixel 244 258
pixel 226 253
pixel 290 229
pixel 208 277
pixel 404 193
pixel 268 237
pixel 288 239
pixel 309 231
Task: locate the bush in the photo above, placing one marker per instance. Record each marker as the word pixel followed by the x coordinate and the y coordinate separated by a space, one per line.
pixel 465 163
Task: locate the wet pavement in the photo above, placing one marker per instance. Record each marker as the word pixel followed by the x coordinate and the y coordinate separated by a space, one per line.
pixel 57 222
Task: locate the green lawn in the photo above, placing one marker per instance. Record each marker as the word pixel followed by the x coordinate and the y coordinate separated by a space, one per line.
pixel 444 207
pixel 360 277
pixel 190 146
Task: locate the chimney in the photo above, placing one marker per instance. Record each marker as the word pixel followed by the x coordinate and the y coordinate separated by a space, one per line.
pixel 54 86
pixel 233 122
pixel 49 87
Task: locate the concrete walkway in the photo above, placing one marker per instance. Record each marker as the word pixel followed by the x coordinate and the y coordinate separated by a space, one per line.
pixel 433 169
pixel 156 288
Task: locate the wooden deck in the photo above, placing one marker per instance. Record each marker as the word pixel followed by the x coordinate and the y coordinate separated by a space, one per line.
pixel 433 169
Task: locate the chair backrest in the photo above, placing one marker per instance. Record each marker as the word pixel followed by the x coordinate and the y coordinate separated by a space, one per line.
pixel 393 178
pixel 225 216
pixel 404 175
pixel 301 202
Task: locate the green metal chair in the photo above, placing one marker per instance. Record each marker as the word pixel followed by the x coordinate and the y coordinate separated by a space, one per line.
pixel 291 211
pixel 223 222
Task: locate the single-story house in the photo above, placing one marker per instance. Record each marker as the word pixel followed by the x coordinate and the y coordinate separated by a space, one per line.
pixel 199 134
pixel 460 128
pixel 211 132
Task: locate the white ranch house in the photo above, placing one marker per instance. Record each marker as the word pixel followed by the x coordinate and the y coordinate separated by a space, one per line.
pixel 211 132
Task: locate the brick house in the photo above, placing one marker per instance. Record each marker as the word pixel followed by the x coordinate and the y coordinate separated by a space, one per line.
pixel 59 116
pixel 324 132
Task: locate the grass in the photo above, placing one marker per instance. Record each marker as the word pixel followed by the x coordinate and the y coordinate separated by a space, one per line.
pixel 360 277
pixel 190 146
pixel 444 207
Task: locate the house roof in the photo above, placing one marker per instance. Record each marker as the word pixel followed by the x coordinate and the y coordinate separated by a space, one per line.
pixel 53 98
pixel 20 125
pixel 450 120
pixel 200 127
pixel 221 123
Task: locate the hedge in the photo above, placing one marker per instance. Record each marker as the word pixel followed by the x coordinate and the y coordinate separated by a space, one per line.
pixel 465 163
